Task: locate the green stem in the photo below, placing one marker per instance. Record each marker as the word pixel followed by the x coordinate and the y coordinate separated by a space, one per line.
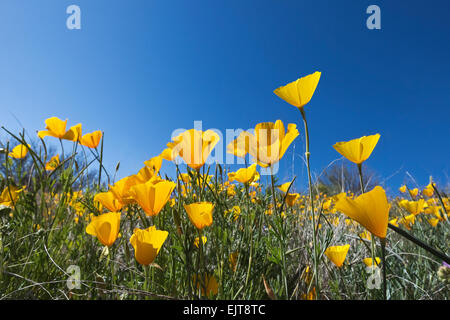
pixel 383 259
pixel 440 199
pixel 249 265
pixel 62 150
pixel 201 266
pixel 421 244
pixel 361 181
pixel 274 199
pixel 277 215
pixel 143 219
pixel 311 200
pixel 343 280
pixel 146 269
pixel 250 226
pixel 100 163
pixel 361 177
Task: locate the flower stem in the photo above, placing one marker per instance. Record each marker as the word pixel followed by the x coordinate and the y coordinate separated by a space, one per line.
pixel 421 244
pixel 361 177
pixel 146 276
pixel 100 163
pixel 383 258
pixel 62 150
pixel 282 234
pixel 274 199
pixel 372 240
pixel 311 200
pixel 440 199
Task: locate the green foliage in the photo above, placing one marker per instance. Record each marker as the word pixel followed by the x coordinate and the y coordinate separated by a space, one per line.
pixel 44 234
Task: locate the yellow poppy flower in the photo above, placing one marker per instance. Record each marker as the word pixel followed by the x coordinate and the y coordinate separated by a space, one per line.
pixel 241 145
pixel 311 295
pixel 284 187
pixel 200 214
pixel 168 154
pixel 327 204
pixel 430 209
pixel 414 192
pixel 194 146
pixel 255 184
pixel 272 142
pixel 53 163
pixel 298 93
pixel 337 254
pixel 358 150
pixel 144 174
pixel 147 244
pixel 369 262
pixel 291 198
pixel 231 192
pixel 236 210
pixel 335 221
pixel 446 204
pixel 75 195
pixel 371 210
pixel 233 260
pixel 55 128
pixel 207 284
pixel 185 177
pixel 149 172
pixel 413 207
pixel 408 221
pixel 205 178
pixel 435 210
pixel 9 196
pixel 394 222
pixel 105 227
pixel 197 241
pixel 109 201
pixel 339 196
pixel 366 235
pixel 433 221
pixel 152 197
pixel 402 189
pixel 268 145
pixel 19 152
pixel 428 191
pixel 244 175
pixel 154 164
pixel 73 134
pixel 121 189
pixel 91 140
pixel 307 275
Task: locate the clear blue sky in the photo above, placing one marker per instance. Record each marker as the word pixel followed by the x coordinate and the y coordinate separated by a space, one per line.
pixel 140 69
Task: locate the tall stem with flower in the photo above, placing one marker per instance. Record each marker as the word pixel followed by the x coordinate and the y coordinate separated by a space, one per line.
pixel 311 202
pixel 298 93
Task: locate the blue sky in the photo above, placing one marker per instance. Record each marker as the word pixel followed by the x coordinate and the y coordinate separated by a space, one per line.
pixel 138 70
